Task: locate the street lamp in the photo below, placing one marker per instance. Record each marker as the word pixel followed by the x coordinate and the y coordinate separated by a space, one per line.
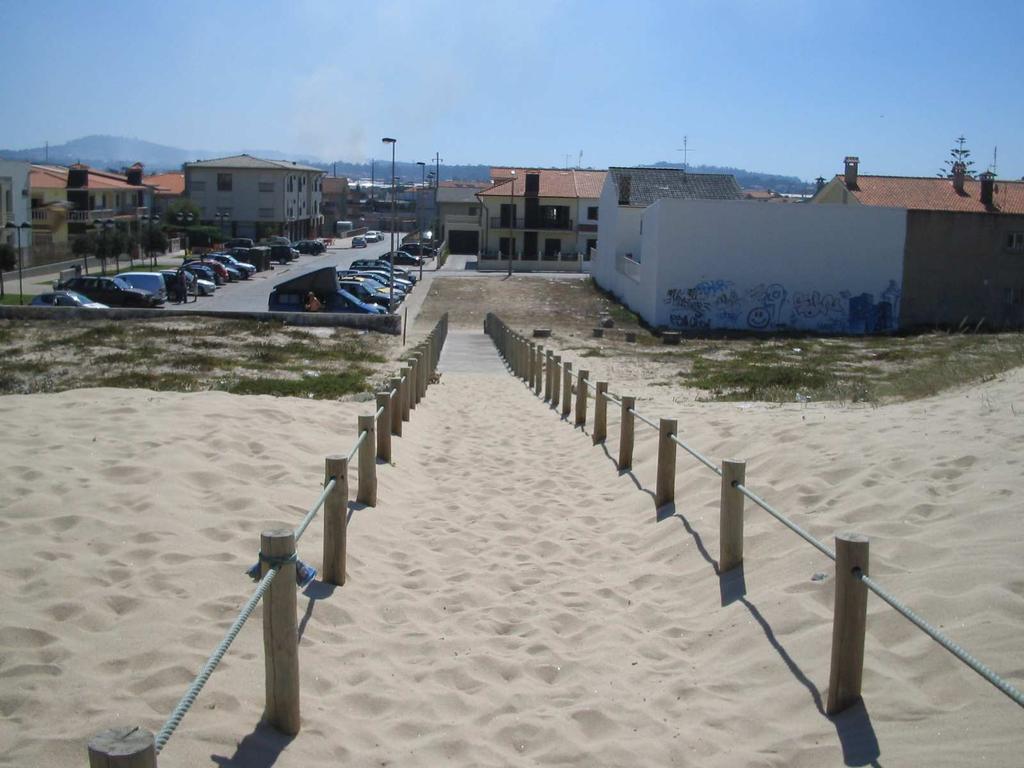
pixel 101 226
pixel 17 228
pixel 419 197
pixel 150 219
pixel 391 253
pixel 511 221
pixel 221 217
pixel 185 218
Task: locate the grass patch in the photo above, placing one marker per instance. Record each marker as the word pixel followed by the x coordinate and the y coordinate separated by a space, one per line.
pixel 593 352
pixel 174 382
pixel 12 299
pixel 327 386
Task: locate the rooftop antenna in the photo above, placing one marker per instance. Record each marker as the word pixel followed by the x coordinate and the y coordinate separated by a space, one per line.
pixel 579 160
pixel 686 151
pixel 995 155
pixel 567 156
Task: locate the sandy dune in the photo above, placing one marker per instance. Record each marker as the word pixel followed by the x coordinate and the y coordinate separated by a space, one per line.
pixel 512 599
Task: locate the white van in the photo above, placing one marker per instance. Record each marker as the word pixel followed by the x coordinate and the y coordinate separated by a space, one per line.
pixel 151 282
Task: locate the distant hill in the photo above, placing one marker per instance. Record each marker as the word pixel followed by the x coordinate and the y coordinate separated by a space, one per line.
pixel 790 185
pixel 117 152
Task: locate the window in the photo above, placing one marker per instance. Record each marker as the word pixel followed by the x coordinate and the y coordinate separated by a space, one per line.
pixel 1015 241
pixel 198 186
pixel 223 182
pixel 592 212
pixel 291 183
pixel 266 213
pixel 266 186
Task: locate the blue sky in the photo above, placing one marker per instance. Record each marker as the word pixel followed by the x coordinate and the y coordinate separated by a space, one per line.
pixel 784 87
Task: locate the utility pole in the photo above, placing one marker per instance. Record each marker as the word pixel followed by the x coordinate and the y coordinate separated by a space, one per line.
pixel 437 183
pixel 686 151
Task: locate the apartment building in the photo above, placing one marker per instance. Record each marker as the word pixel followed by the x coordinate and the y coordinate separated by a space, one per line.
pixel 14 200
pixel 251 197
pixel 544 219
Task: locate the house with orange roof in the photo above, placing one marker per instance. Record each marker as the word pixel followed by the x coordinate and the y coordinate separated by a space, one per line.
pixel 540 218
pixel 167 187
pixel 963 256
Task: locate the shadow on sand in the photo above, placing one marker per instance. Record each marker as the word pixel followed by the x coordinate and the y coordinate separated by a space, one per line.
pixel 260 749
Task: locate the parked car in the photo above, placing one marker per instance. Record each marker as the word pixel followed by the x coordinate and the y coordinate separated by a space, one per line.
pixel 220 272
pixel 374 236
pixel 386 266
pixel 310 247
pixel 65 299
pixel 369 291
pixel 376 281
pixel 358 241
pixel 283 253
pixel 385 277
pixel 245 270
pixel 401 257
pixel 420 249
pixel 112 291
pixel 146 281
pixel 277 240
pixel 202 272
pixel 239 242
pixel 197 286
pixel 290 296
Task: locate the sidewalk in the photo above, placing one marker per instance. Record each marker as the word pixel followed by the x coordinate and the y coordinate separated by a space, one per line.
pixel 40 279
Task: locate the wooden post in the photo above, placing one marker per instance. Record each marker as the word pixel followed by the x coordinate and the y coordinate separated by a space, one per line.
pixel 384 426
pixel 125 747
pixel 336 520
pixel 556 381
pixel 666 487
pixel 730 526
pixel 849 623
pixel 539 373
pixel 281 633
pixel 531 356
pixel 424 373
pixel 414 377
pixel 548 357
pixel 367 491
pixel 601 413
pixel 406 372
pixel 396 407
pixel 626 433
pixel 581 397
pixel 567 389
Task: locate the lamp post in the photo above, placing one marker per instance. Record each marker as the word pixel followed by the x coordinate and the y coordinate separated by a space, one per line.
pixel 391 253
pixel 101 226
pixel 419 197
pixel 150 219
pixel 221 217
pixel 185 218
pixel 511 221
pixel 17 228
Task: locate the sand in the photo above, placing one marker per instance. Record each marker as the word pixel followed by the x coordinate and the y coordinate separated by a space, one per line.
pixel 512 599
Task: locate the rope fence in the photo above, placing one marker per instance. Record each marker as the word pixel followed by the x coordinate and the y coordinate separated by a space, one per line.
pixel 533 363
pixel 137 747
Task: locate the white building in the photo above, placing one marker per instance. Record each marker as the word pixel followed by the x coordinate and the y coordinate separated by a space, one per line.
pixel 251 197
pixel 744 265
pixel 15 200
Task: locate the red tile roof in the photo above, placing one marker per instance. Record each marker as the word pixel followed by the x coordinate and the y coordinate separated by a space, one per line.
pixel 935 194
pixel 167 183
pixel 47 177
pixel 56 177
pixel 553 182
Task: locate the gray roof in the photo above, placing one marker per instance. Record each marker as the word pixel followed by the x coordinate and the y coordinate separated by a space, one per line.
pixel 643 186
pixel 248 161
pixel 457 194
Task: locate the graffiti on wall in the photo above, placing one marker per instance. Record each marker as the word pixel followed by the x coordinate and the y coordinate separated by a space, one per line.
pixel 719 304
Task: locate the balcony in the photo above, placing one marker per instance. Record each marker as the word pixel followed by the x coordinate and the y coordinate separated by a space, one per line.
pixel 498 222
pixel 106 213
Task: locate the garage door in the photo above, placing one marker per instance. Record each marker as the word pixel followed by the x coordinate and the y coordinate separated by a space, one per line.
pixel 463 241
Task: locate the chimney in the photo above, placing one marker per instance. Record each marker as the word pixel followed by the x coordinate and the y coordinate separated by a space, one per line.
pixel 851 171
pixel 78 176
pixel 988 183
pixel 624 189
pixel 959 174
pixel 134 175
pixel 819 184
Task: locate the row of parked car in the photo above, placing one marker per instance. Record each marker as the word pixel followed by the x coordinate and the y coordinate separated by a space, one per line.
pixel 365 288
pixel 200 275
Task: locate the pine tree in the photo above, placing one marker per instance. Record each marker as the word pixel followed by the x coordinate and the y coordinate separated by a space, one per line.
pixel 958 154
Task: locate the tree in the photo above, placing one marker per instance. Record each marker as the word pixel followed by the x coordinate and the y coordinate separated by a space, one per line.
pixel 958 154
pixel 85 246
pixel 183 206
pixel 153 241
pixel 8 261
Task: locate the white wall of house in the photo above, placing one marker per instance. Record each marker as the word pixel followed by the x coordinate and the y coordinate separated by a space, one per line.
pixel 745 265
pixel 15 199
